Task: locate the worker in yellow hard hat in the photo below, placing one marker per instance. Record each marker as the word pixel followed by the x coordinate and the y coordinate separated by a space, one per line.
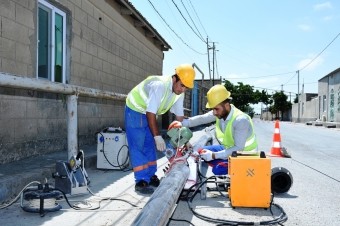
pixel 234 129
pixel 154 96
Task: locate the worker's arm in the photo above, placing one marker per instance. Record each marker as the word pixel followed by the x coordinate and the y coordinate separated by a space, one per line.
pixel 199 119
pixel 152 121
pixel 179 118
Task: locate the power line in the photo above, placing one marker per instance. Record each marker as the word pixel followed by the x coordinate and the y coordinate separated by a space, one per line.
pixel 198 18
pixel 173 29
pixel 266 75
pixel 187 22
pixel 191 19
pixel 314 58
pixel 320 52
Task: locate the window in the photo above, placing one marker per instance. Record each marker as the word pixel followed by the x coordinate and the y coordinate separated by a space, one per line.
pixel 324 103
pixel 51 43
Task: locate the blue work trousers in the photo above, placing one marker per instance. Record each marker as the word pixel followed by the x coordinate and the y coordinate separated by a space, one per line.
pixel 219 166
pixel 142 148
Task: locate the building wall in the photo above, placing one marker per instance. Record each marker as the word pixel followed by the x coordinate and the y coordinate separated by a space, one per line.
pixel 323 98
pixel 105 51
pixel 326 105
pixel 308 109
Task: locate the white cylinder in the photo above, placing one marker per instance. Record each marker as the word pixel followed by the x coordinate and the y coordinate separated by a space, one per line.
pixel 72 122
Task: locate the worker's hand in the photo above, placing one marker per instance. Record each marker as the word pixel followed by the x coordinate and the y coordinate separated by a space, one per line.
pixel 189 146
pixel 175 124
pixel 206 154
pixel 160 143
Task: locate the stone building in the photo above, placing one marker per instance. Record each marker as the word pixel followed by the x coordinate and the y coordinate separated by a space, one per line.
pixel 323 106
pixel 91 45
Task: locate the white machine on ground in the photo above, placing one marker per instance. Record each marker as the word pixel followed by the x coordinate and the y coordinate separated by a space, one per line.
pixel 112 149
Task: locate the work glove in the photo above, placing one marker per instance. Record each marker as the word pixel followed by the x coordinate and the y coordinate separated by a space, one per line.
pixel 160 143
pixel 175 124
pixel 206 154
pixel 189 146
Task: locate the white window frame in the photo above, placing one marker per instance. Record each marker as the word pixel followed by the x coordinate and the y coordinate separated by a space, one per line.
pixel 54 10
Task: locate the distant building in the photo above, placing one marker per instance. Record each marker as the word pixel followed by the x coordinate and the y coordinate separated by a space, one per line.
pixel 322 106
pixel 329 97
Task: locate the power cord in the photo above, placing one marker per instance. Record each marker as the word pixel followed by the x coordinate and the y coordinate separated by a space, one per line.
pixel 88 205
pixel 278 220
pixel 3 206
pixel 34 204
pixel 122 166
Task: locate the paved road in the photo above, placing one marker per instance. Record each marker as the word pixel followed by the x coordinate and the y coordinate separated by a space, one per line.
pixel 313 199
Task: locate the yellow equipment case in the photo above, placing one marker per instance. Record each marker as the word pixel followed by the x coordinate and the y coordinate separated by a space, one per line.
pixel 250 181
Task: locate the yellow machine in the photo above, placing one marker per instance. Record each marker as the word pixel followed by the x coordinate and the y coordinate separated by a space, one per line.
pixel 250 181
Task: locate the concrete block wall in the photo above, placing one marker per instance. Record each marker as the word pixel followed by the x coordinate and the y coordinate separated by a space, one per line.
pixel 17 37
pixel 105 51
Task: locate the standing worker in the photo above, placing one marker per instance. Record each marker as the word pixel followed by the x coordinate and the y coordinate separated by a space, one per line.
pixel 234 130
pixel 154 96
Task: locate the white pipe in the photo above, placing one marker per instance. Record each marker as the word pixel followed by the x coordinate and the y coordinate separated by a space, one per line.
pixel 72 92
pixel 72 125
pixel 7 80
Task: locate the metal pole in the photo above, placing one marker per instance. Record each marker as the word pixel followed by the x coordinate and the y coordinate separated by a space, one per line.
pixel 72 125
pixel 161 204
pixel 298 96
pixel 72 92
pixel 213 63
pixel 208 50
pixel 7 80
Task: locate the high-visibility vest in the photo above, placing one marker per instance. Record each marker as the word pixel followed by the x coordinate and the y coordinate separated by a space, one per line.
pixel 226 137
pixel 137 98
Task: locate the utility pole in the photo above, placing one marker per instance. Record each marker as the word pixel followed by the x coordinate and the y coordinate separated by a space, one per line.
pixel 208 49
pixel 298 96
pixel 213 48
pixel 281 87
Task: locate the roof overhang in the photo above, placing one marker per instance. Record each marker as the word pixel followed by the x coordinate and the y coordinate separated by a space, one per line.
pixel 126 8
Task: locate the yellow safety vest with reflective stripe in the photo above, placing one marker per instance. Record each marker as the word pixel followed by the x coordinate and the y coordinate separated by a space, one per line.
pixel 137 98
pixel 227 139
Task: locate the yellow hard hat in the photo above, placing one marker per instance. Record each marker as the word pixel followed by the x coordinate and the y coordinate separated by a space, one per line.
pixel 216 95
pixel 186 74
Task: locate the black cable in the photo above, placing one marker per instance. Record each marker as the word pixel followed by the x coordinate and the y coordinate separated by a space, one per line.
pixel 179 37
pixel 280 219
pixel 316 170
pixel 87 203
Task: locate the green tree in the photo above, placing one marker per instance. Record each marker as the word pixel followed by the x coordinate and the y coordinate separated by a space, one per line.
pixel 281 103
pixel 244 95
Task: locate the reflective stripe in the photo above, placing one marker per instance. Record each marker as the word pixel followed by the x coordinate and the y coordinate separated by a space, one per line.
pixel 152 163
pixel 137 98
pixel 276 144
pixel 250 141
pixel 226 137
pixel 251 152
pixel 140 168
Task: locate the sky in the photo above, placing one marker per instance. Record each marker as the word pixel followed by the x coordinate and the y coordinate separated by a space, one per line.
pixel 262 43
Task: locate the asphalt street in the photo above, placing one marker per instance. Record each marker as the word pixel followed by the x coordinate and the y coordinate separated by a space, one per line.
pixel 312 200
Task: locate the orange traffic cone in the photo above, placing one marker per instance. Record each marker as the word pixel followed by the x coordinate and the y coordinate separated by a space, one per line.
pixel 276 145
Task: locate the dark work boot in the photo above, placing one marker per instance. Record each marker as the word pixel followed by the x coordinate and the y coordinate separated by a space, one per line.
pixel 154 181
pixel 143 187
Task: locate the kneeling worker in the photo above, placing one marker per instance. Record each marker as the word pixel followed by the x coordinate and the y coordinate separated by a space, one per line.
pixel 234 130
